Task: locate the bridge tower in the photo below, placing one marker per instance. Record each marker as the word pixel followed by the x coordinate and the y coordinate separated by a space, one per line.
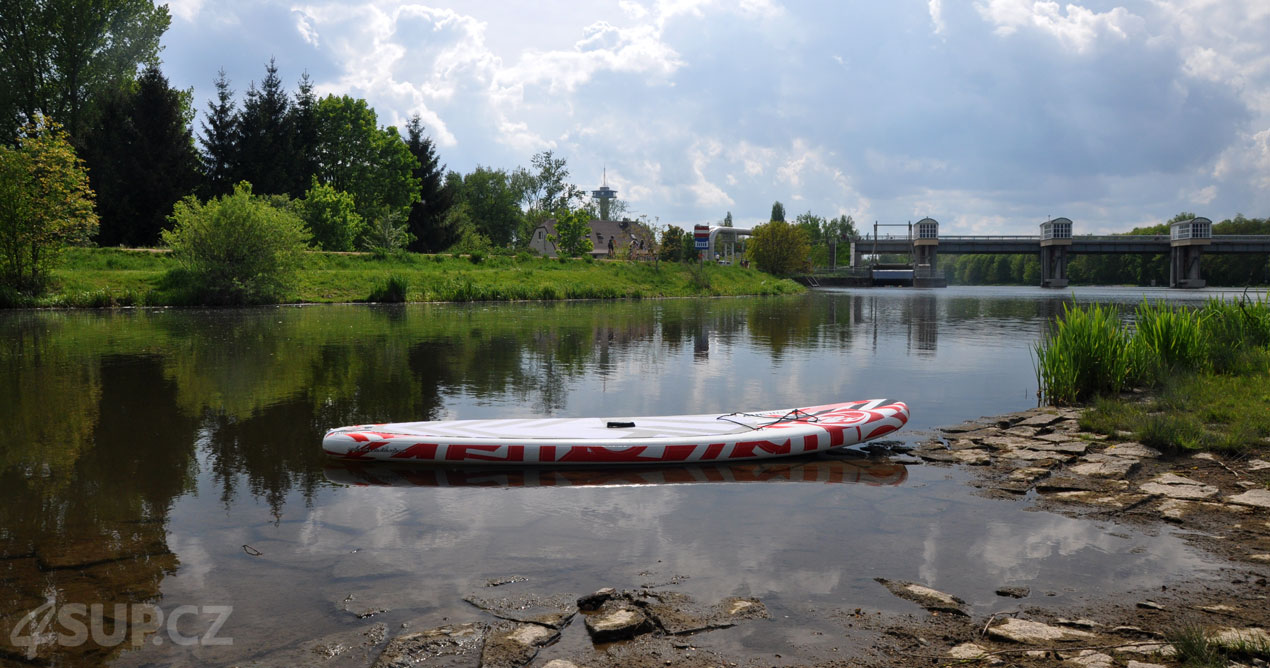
pixel 1187 239
pixel 926 246
pixel 1056 240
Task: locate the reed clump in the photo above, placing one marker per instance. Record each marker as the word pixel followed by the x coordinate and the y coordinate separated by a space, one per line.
pixel 1086 355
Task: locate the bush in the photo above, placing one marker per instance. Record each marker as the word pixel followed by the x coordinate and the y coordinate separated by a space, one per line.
pixel 235 249
pixel 331 216
pixel 1087 355
pixel 392 289
pixel 778 248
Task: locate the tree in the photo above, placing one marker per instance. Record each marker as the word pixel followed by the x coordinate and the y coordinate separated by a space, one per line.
pixel 427 220
pixel 220 141
pixel 778 248
pixel 671 246
pixel 813 226
pixel 727 220
pixel 304 128
pixel 45 204
pixel 546 189
pixel 265 152
pixel 841 228
pixel 573 233
pixel 60 56
pixel 235 249
pixel 141 160
pixel 493 204
pixel 778 212
pixel 356 156
pixel 331 217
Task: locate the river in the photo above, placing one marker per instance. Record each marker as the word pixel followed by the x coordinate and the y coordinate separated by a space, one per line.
pixel 171 458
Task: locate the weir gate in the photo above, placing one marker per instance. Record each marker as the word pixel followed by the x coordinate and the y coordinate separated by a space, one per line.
pixel 1186 242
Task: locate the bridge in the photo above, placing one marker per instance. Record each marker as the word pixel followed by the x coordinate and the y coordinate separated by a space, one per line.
pixel 1186 242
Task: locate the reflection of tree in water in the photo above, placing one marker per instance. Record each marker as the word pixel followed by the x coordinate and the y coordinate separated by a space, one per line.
pixel 86 482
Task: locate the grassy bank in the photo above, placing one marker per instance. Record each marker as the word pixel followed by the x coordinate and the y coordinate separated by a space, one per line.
pixel 113 277
pixel 1205 372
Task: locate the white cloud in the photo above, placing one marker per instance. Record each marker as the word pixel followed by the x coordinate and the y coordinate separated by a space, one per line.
pixel 186 10
pixel 936 9
pixel 1074 26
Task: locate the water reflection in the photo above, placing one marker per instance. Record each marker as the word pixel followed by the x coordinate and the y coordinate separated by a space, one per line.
pixel 146 443
pixel 824 470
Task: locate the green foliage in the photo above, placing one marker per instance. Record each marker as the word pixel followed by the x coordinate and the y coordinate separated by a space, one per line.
pixel 429 219
pixel 264 154
pixel 492 204
pixel 546 189
pixel 141 160
pixel 1195 648
pixel 778 248
pixel 676 245
pixel 386 234
pixel 778 212
pixel 573 233
pixel 356 156
pixel 61 56
pixel 235 249
pixel 1087 354
pixel 331 217
pixel 45 204
pixel 1166 339
pixel 392 289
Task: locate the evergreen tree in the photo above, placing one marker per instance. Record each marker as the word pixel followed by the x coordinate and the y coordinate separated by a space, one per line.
pixel 778 212
pixel 304 128
pixel 264 155
pixel 219 141
pixel 428 219
pixel 727 220
pixel 141 160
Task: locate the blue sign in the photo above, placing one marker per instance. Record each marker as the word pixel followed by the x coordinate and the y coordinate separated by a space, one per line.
pixel 703 244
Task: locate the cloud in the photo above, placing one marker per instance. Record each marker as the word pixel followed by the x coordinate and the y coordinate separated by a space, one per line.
pixel 936 9
pixel 1074 26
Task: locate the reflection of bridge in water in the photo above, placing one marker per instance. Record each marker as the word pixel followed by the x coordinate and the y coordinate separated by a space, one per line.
pixel 1184 244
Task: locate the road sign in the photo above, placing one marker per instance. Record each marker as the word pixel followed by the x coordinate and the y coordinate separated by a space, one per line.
pixel 701 235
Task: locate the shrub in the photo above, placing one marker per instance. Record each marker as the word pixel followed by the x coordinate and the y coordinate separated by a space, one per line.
pixel 235 249
pixel 391 289
pixel 331 216
pixel 387 234
pixel 778 248
pixel 1086 355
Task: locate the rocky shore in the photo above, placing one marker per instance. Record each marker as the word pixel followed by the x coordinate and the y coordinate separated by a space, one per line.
pixel 1040 457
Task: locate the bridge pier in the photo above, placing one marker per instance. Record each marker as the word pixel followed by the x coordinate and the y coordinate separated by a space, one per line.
pixel 1187 239
pixel 1056 240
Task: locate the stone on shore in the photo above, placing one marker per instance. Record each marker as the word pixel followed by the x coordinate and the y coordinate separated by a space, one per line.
pixel 514 645
pixel 931 599
pixel 1090 659
pixel 1177 487
pixel 1256 498
pixel 1014 592
pixel 968 651
pixel 1108 467
pixel 1026 631
pixel 617 620
pixel 448 646
pixel 553 611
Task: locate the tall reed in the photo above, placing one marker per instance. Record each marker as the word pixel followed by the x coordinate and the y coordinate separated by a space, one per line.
pixel 1166 339
pixel 1086 354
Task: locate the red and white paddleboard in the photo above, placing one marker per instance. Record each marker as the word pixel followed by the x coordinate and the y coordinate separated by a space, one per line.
pixel 629 440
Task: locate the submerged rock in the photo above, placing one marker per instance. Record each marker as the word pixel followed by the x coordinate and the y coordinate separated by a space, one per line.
pixel 514 645
pixel 448 646
pixel 617 620
pixel 553 611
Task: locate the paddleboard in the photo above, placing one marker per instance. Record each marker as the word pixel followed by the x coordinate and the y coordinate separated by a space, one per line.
pixel 712 437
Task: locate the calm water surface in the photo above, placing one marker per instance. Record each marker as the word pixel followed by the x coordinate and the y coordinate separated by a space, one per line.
pixel 145 448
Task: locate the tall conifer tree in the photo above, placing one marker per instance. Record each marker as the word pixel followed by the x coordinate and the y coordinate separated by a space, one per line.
pixel 220 141
pixel 427 221
pixel 264 152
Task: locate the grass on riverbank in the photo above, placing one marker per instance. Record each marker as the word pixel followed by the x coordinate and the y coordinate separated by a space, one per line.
pixel 1207 370
pixel 102 277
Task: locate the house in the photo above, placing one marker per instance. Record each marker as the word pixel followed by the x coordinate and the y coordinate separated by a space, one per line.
pixel 609 238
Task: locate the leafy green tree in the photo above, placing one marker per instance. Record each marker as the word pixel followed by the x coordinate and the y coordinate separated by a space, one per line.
pixel 493 204
pixel 331 217
pixel 60 56
pixel 778 212
pixel 264 155
pixel 428 219
pixel 546 189
pixel 220 140
pixel 812 226
pixel 727 220
pixel 141 160
pixel 841 228
pixel 573 233
pixel 779 248
pixel 356 156
pixel 45 204
pixel 235 249
pixel 671 246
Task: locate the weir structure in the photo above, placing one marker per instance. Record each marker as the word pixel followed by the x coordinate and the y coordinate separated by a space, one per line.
pixel 1186 242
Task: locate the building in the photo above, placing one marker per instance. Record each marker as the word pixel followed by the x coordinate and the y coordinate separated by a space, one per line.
pixel 609 238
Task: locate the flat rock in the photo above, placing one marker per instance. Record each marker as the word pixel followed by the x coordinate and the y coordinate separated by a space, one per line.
pixel 1067 447
pixel 968 651
pixel 1041 420
pixel 456 646
pixel 1250 635
pixel 1065 483
pixel 1091 659
pixel 617 620
pixel 1258 465
pixel 594 600
pixel 1131 449
pixel 1148 649
pixel 1143 664
pixel 1014 592
pixel 1114 467
pixel 553 611
pixel 938 454
pixel 81 552
pixel 1177 487
pixel 1027 631
pixel 928 598
pixel 1005 442
pixel 1036 456
pixel 1256 498
pixel 972 456
pixel 514 645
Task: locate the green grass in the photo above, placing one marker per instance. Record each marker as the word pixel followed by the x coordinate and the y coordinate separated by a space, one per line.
pixel 1196 649
pixel 117 277
pixel 1087 354
pixel 1194 412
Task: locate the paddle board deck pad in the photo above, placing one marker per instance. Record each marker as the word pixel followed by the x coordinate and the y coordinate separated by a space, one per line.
pixel 624 440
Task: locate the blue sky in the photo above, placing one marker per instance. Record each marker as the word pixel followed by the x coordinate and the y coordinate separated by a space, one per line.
pixel 987 115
